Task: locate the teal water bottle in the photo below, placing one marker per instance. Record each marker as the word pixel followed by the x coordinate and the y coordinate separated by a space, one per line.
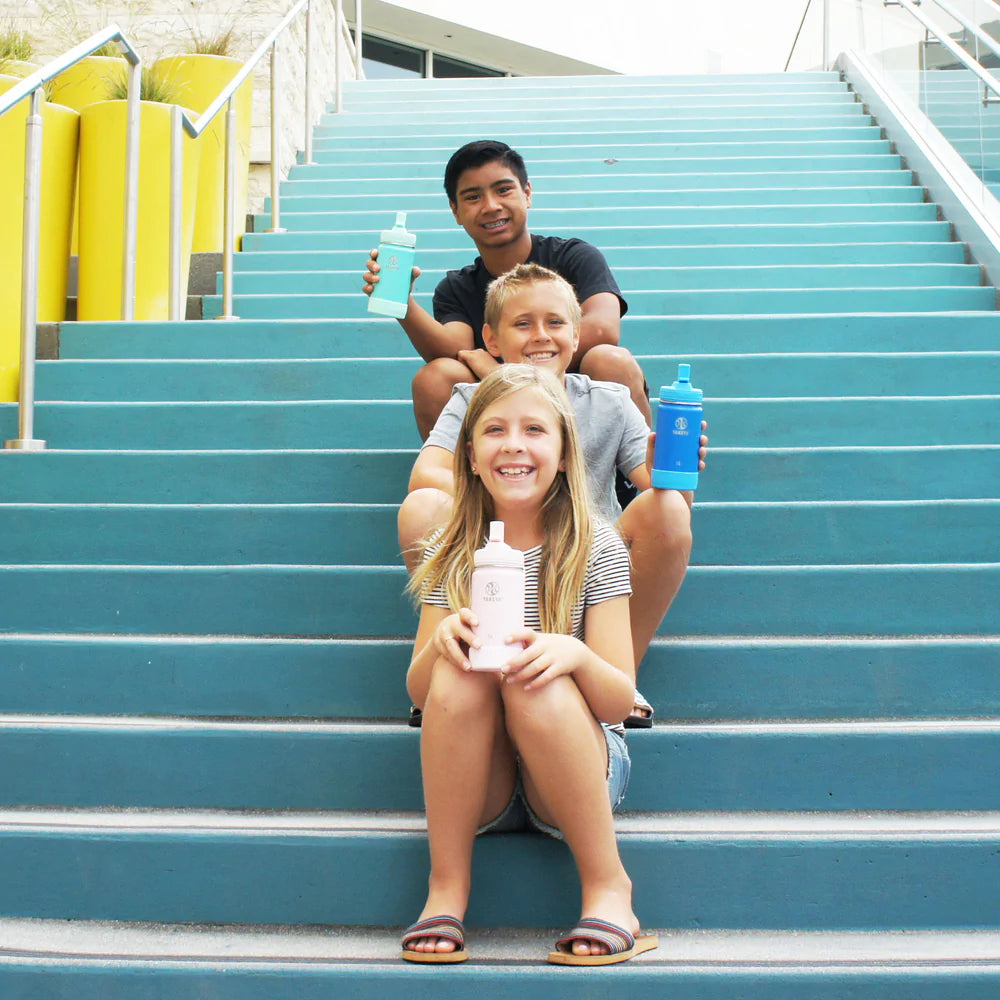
pixel 678 434
pixel 396 254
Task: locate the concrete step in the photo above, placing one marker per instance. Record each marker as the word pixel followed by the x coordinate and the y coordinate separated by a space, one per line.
pixel 349 600
pixel 311 219
pixel 853 533
pixel 296 196
pixel 639 281
pixel 688 335
pixel 361 241
pixel 176 763
pixel 686 678
pixel 621 259
pixel 312 179
pixel 932 472
pixel 92 960
pixel 682 302
pixel 621 170
pixel 796 422
pixel 690 871
pixel 919 374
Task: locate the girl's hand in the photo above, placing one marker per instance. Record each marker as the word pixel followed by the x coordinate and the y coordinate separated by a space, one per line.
pixel 546 656
pixel 453 637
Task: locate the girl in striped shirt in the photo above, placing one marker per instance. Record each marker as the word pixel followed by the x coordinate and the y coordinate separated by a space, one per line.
pixel 493 759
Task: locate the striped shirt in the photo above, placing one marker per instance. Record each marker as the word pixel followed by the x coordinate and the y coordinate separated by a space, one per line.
pixel 607 577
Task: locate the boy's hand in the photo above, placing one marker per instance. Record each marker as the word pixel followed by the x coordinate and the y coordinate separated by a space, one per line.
pixel 371 274
pixel 479 362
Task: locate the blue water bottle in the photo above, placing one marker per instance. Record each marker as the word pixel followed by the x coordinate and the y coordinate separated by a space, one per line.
pixel 678 434
pixel 396 254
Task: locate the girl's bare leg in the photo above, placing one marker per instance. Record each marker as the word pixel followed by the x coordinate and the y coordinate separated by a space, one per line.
pixel 469 771
pixel 564 769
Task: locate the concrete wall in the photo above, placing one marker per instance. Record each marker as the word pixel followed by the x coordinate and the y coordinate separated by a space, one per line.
pixel 169 27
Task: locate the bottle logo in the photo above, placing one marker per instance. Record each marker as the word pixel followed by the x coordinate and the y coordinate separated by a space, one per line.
pixel 681 424
pixel 492 591
pixel 392 263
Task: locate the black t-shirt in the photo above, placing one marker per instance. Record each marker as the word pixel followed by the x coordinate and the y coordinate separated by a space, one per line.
pixel 461 295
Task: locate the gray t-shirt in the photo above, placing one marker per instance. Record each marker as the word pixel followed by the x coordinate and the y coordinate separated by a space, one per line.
pixel 613 433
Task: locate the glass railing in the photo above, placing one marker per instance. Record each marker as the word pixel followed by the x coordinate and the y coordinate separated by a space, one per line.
pixel 919 48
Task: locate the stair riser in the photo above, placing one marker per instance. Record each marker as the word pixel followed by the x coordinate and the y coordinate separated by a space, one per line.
pixel 767 423
pixel 780 534
pixel 361 242
pixel 741 276
pixel 333 150
pixel 82 979
pixel 698 680
pixel 324 601
pixel 689 335
pixel 546 219
pixel 298 201
pixel 685 882
pixel 670 303
pixel 733 376
pixel 605 133
pixel 302 179
pixel 545 167
pixel 752 475
pixel 622 258
pixel 674 768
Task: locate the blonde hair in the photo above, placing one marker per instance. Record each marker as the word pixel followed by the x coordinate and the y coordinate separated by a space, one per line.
pixel 567 523
pixel 522 276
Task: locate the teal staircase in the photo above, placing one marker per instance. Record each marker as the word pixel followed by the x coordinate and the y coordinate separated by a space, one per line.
pixel 208 787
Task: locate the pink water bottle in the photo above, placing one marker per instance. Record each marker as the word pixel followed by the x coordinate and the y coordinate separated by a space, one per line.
pixel 497 600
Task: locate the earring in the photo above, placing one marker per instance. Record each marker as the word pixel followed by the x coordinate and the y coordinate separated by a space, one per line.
pixel 475 471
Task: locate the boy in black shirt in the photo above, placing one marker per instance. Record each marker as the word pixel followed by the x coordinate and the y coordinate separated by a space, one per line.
pixel 490 194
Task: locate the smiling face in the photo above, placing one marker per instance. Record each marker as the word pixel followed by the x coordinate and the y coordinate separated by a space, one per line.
pixel 535 328
pixel 491 206
pixel 516 450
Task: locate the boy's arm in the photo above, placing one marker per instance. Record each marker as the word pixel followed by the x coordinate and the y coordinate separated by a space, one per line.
pixel 430 338
pixel 601 323
pixel 433 469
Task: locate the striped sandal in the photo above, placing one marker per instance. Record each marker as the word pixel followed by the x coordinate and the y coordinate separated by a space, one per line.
pixel 634 721
pixel 620 943
pixel 436 927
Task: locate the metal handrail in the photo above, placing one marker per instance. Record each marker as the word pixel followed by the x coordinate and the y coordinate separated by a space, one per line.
pixel 826 35
pixel 970 26
pixel 32 86
pixel 990 82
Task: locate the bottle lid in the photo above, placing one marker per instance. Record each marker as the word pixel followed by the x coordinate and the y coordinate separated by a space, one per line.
pixel 496 552
pixel 398 233
pixel 681 391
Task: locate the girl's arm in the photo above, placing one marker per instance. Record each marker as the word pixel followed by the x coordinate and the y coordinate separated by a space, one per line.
pixel 602 667
pixel 439 633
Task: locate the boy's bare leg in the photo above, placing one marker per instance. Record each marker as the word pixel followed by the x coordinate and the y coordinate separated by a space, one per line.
pixel 608 363
pixel 432 387
pixel 656 526
pixel 419 514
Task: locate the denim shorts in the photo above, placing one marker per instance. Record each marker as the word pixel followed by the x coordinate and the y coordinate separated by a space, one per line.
pixel 518 816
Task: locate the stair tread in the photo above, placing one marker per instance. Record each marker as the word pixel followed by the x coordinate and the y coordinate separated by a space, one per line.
pixel 242 943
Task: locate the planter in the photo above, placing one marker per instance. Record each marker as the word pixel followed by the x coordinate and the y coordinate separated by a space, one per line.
pixel 18 67
pixel 102 186
pixel 198 80
pixel 60 131
pixel 88 81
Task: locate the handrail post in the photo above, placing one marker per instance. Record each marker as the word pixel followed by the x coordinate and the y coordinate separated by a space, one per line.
pixel 275 226
pixel 338 74
pixel 25 441
pixel 131 214
pixel 176 213
pixel 228 226
pixel 826 35
pixel 357 39
pixel 309 47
